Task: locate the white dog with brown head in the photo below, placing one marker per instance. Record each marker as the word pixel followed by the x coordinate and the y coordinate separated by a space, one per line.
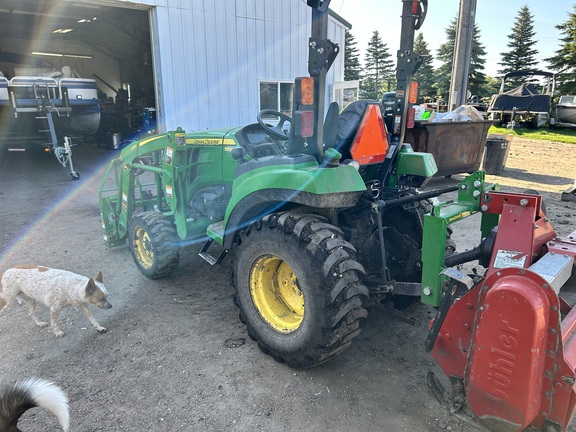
pixel 55 288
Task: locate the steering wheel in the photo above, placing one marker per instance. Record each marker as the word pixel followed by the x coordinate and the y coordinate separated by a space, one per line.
pixel 274 131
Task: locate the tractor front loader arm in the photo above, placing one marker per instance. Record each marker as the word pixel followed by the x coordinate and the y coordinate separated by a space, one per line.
pixel 120 195
pixel 507 340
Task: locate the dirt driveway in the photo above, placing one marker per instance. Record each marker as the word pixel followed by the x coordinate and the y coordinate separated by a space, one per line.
pixel 176 357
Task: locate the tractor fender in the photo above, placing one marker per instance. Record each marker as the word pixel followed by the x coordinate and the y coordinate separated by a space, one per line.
pixel 506 382
pixel 263 202
pixel 266 190
pixel 416 163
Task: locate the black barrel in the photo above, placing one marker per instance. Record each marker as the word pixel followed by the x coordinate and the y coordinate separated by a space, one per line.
pixel 496 154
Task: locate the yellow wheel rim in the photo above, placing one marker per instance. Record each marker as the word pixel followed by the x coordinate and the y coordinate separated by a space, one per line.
pixel 143 248
pixel 276 295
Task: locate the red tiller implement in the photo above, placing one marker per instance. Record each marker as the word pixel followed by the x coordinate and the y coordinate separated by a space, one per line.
pixel 506 340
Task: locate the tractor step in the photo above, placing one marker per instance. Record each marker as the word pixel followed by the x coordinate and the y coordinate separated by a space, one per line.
pixel 216 231
pixel 210 259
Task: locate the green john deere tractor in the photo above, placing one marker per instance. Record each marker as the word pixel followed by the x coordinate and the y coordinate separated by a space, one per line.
pixel 324 218
pixel 327 218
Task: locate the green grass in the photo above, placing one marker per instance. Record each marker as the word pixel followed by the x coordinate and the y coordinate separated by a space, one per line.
pixel 563 135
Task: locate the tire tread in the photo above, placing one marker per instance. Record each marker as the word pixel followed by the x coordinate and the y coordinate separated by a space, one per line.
pixel 163 235
pixel 344 293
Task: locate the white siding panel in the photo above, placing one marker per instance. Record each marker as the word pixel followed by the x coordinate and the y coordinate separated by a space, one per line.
pixel 212 52
pixel 231 64
pixel 210 55
pixel 176 72
pixel 211 6
pixel 187 106
pixel 271 53
pixel 243 70
pixel 241 8
pixel 336 31
pixel 199 70
pixel 174 4
pixel 258 52
pixel 259 10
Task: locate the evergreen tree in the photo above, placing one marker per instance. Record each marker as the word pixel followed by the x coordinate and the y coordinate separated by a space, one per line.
pixel 445 54
pixel 425 74
pixel 378 70
pixel 564 60
pixel 522 54
pixel 476 76
pixel 351 58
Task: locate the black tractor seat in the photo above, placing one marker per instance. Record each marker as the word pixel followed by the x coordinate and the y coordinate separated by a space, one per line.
pixel 349 121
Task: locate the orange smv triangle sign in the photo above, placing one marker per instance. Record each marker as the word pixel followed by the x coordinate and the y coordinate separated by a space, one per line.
pixel 371 141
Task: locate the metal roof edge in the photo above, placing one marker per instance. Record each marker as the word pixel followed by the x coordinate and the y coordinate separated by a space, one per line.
pixel 339 19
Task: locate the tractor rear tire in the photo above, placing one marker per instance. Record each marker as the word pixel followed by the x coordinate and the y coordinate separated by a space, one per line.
pixel 153 244
pixel 299 288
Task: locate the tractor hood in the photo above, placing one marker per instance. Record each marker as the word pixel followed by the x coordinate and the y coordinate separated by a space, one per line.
pixel 212 134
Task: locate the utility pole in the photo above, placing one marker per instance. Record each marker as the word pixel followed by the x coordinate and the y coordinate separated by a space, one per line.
pixel 462 54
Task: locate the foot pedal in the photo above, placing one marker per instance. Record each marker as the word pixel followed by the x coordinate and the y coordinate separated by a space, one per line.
pixel 209 258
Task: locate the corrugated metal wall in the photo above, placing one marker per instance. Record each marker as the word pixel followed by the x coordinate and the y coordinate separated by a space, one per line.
pixel 210 55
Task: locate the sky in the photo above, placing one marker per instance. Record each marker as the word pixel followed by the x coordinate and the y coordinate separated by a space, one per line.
pixel 494 18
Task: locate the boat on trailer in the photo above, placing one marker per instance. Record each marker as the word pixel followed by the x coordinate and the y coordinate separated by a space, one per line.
pixel 523 104
pixel 566 109
pixel 62 106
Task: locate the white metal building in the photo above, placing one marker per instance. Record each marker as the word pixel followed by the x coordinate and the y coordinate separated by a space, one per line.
pixel 213 63
pixel 218 62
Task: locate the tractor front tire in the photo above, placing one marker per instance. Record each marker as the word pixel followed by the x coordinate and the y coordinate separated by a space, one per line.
pixel 299 288
pixel 153 244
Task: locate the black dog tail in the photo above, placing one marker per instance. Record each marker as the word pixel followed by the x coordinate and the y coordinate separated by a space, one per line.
pixel 29 393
